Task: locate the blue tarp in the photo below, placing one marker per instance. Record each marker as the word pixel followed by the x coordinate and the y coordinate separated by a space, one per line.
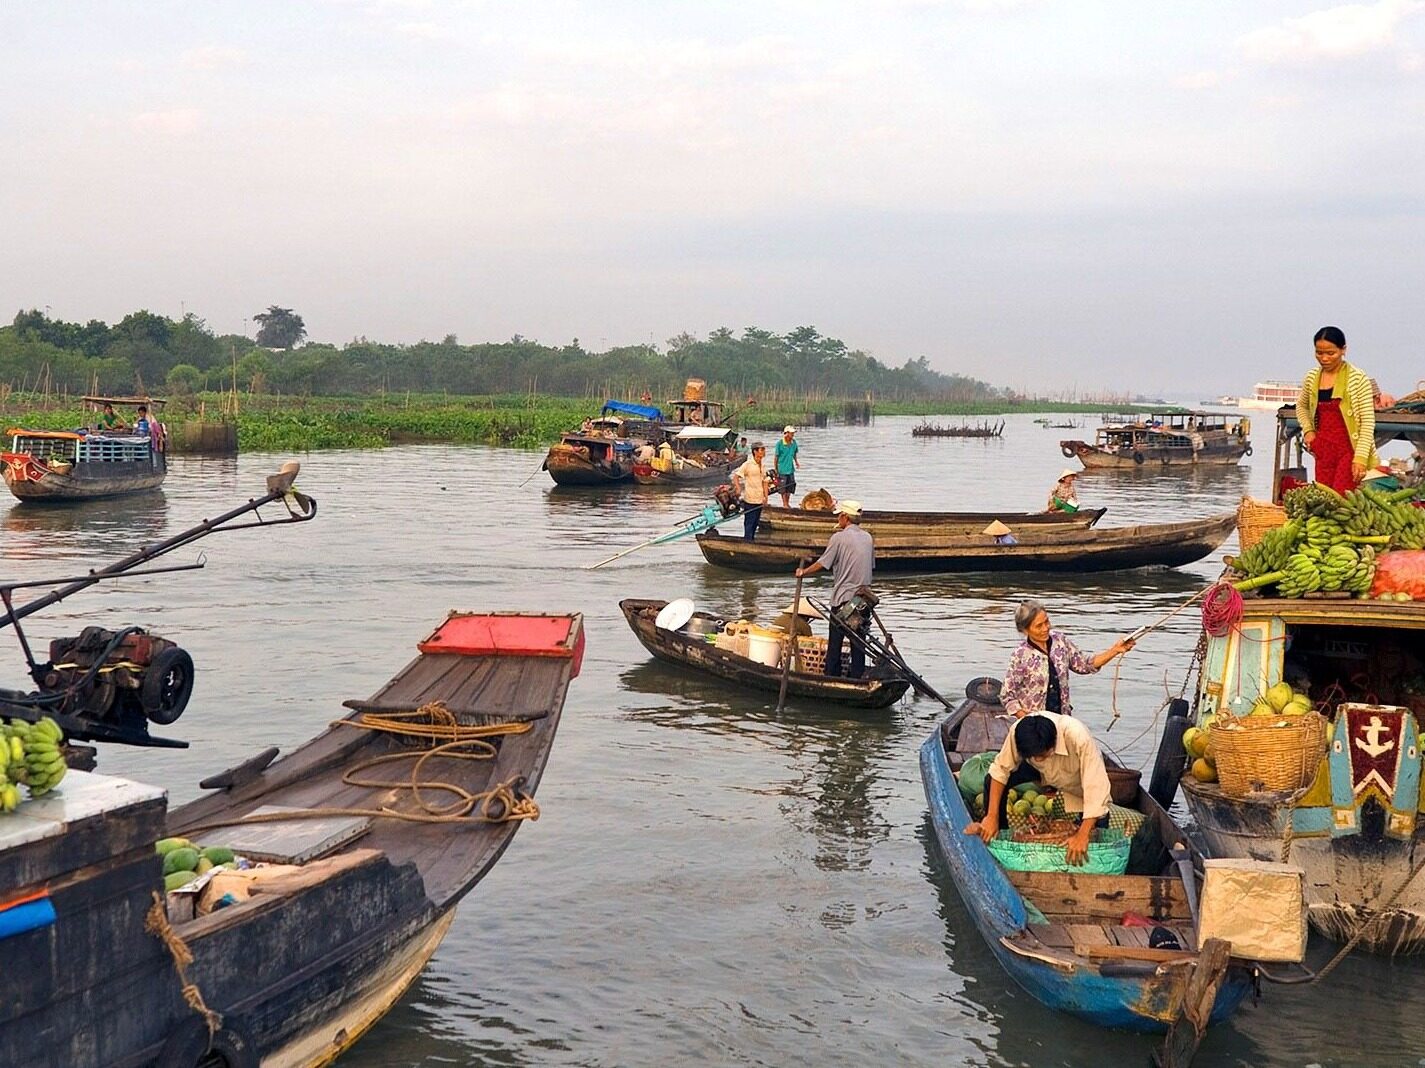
pixel 643 411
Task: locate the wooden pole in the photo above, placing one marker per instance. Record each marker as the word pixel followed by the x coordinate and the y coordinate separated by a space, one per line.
pixel 795 650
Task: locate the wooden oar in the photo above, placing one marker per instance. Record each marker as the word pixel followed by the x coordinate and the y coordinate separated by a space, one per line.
pixel 794 651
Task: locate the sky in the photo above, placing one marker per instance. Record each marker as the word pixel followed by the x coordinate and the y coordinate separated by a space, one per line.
pixel 1045 194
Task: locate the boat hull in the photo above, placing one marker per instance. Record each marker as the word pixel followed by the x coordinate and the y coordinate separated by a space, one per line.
pixel 1145 1003
pixel 83 483
pixel 687 475
pixel 1113 549
pixel 1345 875
pixel 571 469
pixel 676 648
pixel 948 524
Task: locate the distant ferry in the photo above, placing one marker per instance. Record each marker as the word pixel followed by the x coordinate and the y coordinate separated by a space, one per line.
pixel 1270 395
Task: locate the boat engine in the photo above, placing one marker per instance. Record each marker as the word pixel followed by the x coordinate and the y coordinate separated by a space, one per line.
pixel 117 678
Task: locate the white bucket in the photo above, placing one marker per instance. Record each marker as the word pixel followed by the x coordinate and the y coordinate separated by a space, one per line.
pixel 764 646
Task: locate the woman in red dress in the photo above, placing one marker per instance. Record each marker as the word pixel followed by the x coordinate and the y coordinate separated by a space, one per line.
pixel 1336 410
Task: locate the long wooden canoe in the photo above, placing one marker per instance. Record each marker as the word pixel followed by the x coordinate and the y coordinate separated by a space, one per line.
pixel 790 520
pixel 694 652
pixel 302 967
pixel 1097 549
pixel 1075 955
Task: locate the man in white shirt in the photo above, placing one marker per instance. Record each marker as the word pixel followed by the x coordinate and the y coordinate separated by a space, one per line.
pixel 1060 752
pixel 750 481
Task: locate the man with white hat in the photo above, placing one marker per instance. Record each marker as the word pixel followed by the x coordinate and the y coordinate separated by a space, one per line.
pixel 851 557
pixel 1062 497
pixel 787 464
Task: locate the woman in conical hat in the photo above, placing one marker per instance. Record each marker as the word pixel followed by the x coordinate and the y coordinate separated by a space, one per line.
pixel 1062 497
pixel 1001 533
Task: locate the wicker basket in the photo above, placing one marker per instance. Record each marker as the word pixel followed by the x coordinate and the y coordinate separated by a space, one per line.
pixel 1255 518
pixel 1123 785
pixel 813 655
pixel 1267 753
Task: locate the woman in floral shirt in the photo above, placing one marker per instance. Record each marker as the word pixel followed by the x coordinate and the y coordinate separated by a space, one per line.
pixel 1038 675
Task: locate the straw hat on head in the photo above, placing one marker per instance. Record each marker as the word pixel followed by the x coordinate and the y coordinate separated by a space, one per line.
pixel 851 508
pixel 996 529
pixel 1068 472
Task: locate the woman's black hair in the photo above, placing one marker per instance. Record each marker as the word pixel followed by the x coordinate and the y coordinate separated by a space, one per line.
pixel 1332 334
pixel 1034 736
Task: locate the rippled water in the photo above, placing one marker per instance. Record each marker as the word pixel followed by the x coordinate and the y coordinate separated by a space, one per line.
pixel 709 882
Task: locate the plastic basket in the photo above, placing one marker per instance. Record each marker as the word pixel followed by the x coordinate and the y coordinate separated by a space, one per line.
pixel 1267 753
pixel 1107 854
pixel 1255 518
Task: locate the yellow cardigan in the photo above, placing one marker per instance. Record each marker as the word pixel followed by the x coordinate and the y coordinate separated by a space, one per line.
pixel 1353 389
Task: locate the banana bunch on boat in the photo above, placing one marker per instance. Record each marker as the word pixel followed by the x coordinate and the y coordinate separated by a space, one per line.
pixel 31 754
pixel 1369 512
pixel 1340 566
pixel 1312 551
pixel 1272 552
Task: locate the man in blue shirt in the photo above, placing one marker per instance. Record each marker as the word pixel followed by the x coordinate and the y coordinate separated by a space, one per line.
pixel 787 464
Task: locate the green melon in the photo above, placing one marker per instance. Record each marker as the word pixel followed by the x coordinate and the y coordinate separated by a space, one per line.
pixel 184 858
pixel 174 879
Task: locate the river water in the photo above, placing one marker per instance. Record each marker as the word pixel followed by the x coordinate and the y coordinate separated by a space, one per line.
pixel 709 882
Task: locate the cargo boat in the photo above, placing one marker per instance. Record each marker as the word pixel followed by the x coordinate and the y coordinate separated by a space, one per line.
pixel 63 466
pixel 1165 439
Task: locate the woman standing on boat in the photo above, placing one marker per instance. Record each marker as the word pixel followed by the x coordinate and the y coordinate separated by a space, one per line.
pixel 1038 675
pixel 1336 411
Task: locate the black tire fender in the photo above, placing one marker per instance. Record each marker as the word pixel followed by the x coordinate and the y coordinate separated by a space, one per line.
pixel 1138 457
pixel 1171 761
pixel 190 1045
pixel 1248 450
pixel 167 685
pixel 1068 452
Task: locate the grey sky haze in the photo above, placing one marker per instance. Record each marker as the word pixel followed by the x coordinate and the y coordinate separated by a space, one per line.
pixel 1164 197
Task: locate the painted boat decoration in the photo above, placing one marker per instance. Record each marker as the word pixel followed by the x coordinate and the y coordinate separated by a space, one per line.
pixel 691 649
pixel 1081 959
pixel 1038 549
pixel 1165 439
pixel 86 464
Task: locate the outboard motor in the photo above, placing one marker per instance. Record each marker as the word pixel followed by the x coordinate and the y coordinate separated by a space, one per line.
pixel 122 678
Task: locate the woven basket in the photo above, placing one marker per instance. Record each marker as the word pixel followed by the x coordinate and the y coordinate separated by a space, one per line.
pixel 1267 753
pixel 813 655
pixel 1255 518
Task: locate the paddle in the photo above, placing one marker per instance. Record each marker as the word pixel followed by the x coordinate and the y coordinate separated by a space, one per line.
pixel 795 651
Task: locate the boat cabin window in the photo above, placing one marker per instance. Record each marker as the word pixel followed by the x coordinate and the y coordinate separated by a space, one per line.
pixel 1372 665
pixel 46 448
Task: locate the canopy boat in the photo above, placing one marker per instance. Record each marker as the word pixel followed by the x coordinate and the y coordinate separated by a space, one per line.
pixel 1038 548
pixel 602 451
pixel 89 463
pixel 1062 937
pixel 1165 439
pixel 822 524
pixel 688 646
pixel 694 454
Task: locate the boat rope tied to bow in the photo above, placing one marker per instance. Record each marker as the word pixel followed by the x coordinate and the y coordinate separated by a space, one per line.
pixel 1210 610
pixel 445 737
pixel 156 923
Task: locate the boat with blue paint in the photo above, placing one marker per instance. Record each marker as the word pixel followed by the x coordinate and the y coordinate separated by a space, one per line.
pixel 602 450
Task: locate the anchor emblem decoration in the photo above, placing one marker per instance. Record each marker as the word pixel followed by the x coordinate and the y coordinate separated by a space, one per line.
pixel 1374 755
pixel 1371 744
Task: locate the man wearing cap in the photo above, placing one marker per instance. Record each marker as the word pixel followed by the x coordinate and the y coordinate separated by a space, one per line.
pixel 1062 497
pixel 750 481
pixel 850 557
pixel 787 464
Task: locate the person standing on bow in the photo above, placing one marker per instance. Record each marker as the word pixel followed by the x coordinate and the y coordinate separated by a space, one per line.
pixel 787 464
pixel 1336 410
pixel 1062 497
pixel 850 556
pixel 750 481
pixel 1038 676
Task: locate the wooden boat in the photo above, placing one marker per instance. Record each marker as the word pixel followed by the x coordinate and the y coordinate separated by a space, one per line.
pixel 1098 549
pixel 787 520
pixel 602 451
pixel 701 454
pixel 1082 959
pixel 81 465
pixel 965 430
pixel 1165 439
pixel 694 651
pixel 316 954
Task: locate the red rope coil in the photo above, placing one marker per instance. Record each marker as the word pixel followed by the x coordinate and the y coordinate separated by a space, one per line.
pixel 1221 609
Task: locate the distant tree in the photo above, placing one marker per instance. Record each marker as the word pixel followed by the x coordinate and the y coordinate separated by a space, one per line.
pixel 184 378
pixel 281 328
pixel 253 370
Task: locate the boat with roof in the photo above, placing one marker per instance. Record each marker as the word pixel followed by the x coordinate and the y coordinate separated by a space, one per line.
pixel 1169 438
pixel 601 452
pixel 89 462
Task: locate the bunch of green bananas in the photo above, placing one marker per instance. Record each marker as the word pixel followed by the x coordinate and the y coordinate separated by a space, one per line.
pixel 44 760
pixel 1339 567
pixel 1271 553
pixel 9 792
pixel 1366 512
pixel 1311 499
pixel 1322 533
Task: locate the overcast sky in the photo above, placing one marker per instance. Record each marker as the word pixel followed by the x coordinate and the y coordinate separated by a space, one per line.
pixel 1162 196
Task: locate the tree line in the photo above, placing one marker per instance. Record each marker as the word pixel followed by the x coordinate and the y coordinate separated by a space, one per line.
pixel 149 352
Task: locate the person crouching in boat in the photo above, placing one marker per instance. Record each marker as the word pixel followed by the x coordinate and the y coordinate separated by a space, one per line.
pixel 1059 752
pixel 1001 533
pixel 1336 410
pixel 1039 669
pixel 850 556
pixel 1062 497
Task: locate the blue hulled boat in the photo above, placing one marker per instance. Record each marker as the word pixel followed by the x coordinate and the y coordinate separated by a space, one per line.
pixel 1062 936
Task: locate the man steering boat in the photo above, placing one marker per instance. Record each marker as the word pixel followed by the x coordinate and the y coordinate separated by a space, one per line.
pixel 851 557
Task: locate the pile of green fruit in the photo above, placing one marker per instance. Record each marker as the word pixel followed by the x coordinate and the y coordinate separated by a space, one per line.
pixel 1026 800
pixel 31 755
pixel 1329 542
pixel 184 861
pixel 1197 741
